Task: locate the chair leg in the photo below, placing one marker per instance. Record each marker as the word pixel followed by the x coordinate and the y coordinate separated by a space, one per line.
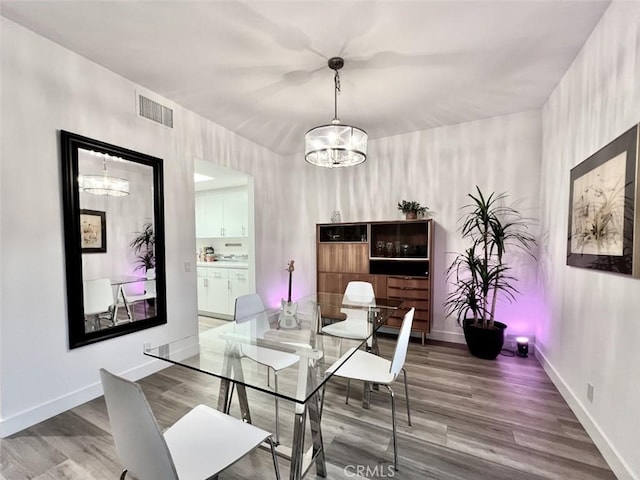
pixel 276 437
pixel 274 457
pixel 324 391
pixel 406 394
pixel 346 400
pixel 395 436
pixel 123 474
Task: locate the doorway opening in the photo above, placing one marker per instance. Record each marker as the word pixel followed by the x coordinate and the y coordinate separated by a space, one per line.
pixel 225 240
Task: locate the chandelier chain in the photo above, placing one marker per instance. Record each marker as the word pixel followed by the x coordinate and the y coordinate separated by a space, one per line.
pixel 336 81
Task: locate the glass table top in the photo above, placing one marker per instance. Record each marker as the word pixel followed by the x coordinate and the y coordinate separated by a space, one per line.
pixel 250 349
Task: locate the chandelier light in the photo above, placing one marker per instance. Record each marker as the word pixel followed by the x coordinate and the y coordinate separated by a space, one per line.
pixel 335 145
pixel 103 184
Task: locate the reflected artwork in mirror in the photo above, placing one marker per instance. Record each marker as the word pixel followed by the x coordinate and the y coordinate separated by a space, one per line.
pixel 113 193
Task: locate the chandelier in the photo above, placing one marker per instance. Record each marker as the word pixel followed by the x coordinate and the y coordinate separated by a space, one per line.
pixel 335 145
pixel 103 184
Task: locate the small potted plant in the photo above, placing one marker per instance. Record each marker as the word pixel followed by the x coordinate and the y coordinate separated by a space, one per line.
pixel 412 210
pixel 480 275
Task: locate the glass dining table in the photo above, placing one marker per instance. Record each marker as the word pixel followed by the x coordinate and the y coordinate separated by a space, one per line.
pixel 293 348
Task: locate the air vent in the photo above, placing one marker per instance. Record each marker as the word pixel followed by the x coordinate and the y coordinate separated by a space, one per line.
pixel 155 111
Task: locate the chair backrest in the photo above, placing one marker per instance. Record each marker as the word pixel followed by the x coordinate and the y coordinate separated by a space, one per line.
pixel 359 293
pixel 139 441
pixel 97 295
pixel 150 288
pixel 250 307
pixel 135 291
pixel 402 344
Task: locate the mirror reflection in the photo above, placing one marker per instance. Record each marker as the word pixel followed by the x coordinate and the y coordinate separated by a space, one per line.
pixel 117 239
pixel 114 240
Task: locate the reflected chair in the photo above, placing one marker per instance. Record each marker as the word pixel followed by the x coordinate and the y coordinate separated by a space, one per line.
pixel 131 298
pixel 250 307
pixel 356 325
pixel 98 301
pixel 373 369
pixel 198 446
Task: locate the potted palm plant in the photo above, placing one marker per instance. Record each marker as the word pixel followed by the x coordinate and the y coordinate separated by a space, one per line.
pixel 143 246
pixel 480 275
pixel 412 209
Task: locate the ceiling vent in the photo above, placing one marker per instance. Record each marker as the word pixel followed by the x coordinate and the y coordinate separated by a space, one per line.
pixel 154 111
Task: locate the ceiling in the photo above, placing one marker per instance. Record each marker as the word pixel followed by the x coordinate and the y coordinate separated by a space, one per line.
pixel 217 176
pixel 259 68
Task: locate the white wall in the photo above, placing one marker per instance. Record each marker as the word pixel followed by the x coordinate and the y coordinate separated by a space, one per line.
pixel 589 331
pixel 438 168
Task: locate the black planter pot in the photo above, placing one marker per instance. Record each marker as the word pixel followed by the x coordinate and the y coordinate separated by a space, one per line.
pixel 484 342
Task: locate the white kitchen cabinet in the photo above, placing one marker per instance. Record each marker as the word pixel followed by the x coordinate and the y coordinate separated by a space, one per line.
pixel 222 213
pixel 209 216
pixel 203 293
pixel 218 289
pixel 235 204
pixel 238 285
pixel 218 286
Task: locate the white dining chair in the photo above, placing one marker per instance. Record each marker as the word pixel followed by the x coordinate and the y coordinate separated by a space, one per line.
pixel 98 301
pixel 373 369
pixel 149 291
pixel 356 325
pixel 250 308
pixel 198 446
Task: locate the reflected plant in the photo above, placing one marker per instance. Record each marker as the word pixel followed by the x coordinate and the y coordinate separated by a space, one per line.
pixel 144 248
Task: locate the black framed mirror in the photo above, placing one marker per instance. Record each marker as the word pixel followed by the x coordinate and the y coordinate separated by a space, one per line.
pixel 114 239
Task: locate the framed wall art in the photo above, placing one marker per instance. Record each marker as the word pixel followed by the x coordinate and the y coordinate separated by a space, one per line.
pixel 603 213
pixel 93 231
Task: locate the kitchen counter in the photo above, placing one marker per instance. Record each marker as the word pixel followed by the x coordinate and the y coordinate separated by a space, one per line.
pixel 223 264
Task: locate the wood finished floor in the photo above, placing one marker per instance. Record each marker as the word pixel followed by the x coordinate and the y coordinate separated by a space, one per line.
pixel 472 420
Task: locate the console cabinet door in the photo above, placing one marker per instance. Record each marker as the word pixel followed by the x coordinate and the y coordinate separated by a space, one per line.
pixel 343 257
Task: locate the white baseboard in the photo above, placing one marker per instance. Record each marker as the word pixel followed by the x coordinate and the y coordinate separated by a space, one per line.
pixel 32 416
pixel 443 336
pixel 610 454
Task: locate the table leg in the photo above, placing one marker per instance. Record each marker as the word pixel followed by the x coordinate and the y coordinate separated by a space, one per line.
pixel 307 381
pixel 224 393
pixel 232 367
pixel 315 415
pixel 297 447
pixel 223 396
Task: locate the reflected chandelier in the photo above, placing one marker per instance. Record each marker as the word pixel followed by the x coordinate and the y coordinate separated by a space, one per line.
pixel 103 184
pixel 335 145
